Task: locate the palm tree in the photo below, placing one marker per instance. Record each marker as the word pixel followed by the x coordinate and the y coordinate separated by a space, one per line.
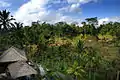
pixel 83 23
pixel 17 26
pixel 5 20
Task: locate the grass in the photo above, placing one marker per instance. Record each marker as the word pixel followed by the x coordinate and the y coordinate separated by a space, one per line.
pixel 107 49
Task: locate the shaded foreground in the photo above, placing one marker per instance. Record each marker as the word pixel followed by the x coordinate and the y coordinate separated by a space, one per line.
pixel 14 65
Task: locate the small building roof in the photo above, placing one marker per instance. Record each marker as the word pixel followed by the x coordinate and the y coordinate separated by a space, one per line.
pixel 13 54
pixel 19 69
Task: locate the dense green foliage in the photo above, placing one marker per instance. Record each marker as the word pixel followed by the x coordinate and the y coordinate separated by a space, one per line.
pixel 67 51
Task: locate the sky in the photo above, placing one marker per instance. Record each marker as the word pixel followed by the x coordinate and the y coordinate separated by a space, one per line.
pixel 52 11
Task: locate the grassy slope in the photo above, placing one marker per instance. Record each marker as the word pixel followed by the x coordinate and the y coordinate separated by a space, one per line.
pixel 107 48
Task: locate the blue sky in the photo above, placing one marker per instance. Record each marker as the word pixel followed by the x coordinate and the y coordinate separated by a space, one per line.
pixel 103 8
pixel 53 11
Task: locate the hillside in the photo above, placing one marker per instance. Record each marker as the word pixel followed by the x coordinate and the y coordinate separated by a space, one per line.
pixel 68 50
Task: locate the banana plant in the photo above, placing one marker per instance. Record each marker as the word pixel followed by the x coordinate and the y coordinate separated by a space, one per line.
pixel 77 71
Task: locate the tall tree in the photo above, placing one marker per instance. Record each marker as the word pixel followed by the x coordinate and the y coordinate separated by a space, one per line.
pixel 17 26
pixel 83 23
pixel 93 21
pixel 5 20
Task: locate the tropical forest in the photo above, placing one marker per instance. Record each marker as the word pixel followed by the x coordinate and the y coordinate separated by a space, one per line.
pixel 66 51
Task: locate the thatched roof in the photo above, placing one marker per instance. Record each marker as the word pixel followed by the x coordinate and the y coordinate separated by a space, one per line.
pixel 19 69
pixel 13 54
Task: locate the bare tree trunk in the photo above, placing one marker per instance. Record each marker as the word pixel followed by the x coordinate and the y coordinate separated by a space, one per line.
pixel 118 73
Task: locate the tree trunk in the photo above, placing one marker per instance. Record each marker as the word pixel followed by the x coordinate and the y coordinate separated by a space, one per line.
pixel 118 75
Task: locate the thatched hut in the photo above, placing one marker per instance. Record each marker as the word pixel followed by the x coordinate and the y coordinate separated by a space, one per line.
pixel 19 69
pixel 9 56
pixel 13 54
pixel 13 62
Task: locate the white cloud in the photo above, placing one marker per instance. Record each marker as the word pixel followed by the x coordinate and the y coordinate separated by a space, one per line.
pixel 110 19
pixel 75 5
pixel 103 20
pixel 115 19
pixel 80 1
pixel 75 8
pixel 4 4
pixel 35 10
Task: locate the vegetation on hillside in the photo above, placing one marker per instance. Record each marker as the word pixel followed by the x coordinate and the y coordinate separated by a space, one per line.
pixel 66 51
